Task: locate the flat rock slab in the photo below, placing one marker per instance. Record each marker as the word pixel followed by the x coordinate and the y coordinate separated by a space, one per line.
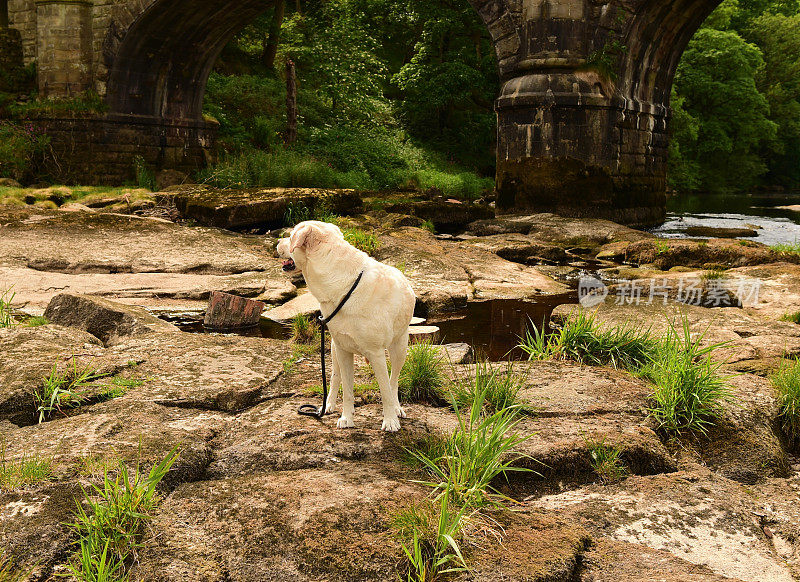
pixel 34 289
pixel 309 524
pixel 266 207
pixel 713 253
pixel 698 517
pixel 108 321
pixel 29 354
pixel 303 304
pixel 447 274
pixel 446 215
pixel 33 528
pixel 559 230
pixel 213 372
pixel 124 429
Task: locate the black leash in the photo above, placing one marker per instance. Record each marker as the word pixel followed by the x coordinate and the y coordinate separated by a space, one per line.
pixel 310 409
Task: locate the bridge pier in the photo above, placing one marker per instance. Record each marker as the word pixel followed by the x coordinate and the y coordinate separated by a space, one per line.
pixel 567 146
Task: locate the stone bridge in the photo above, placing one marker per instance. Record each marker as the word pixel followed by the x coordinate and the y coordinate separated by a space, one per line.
pixel 582 114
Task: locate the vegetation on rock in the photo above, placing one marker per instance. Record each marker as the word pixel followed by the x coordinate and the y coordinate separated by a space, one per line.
pixel 786 381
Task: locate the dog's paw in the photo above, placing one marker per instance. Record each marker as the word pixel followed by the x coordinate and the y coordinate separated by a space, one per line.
pixel 400 412
pixel 391 424
pixel 330 407
pixel 344 422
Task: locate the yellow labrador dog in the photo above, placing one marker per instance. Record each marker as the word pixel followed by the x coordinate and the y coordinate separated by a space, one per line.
pixel 375 318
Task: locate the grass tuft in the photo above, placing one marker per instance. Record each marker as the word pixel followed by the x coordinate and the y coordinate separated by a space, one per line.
pixel 499 386
pixel 793 317
pixel 363 241
pixel 606 460
pixel 787 248
pixel 689 392
pixel 479 451
pixel 786 381
pixel 6 297
pixel 582 339
pixel 63 390
pixel 10 573
pixel 422 378
pixel 22 472
pixel 304 330
pixel 109 534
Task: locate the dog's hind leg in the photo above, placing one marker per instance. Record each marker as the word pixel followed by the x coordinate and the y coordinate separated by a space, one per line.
pixel 397 355
pixel 388 398
pixel 345 359
pixel 336 378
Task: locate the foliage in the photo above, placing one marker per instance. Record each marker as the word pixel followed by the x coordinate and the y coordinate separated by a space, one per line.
pixel 8 572
pixel 363 241
pixel 145 177
pixel 478 452
pixel 787 248
pixel 27 470
pixel 786 381
pixel 793 317
pixel 65 389
pixel 499 386
pixel 6 319
pixel 582 339
pixel 304 329
pixel 689 391
pixel 605 460
pixel 110 532
pixel 422 378
pixel 22 149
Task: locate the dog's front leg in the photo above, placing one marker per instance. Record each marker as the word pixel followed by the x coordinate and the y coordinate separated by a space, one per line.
pixel 390 407
pixel 336 377
pixel 345 359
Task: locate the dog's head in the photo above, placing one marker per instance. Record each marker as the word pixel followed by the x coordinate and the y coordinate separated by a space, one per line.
pixel 306 239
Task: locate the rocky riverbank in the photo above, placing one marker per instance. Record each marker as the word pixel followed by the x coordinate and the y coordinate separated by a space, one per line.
pixel 261 493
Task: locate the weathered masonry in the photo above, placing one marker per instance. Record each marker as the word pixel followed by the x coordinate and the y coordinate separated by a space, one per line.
pixel 582 114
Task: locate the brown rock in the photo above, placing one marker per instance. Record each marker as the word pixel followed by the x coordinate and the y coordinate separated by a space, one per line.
pixel 226 311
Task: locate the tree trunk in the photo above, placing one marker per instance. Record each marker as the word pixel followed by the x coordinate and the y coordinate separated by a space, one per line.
pixel 226 311
pixel 271 44
pixel 291 104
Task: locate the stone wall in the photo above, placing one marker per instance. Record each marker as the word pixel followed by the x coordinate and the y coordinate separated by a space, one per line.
pixel 22 16
pixel 102 150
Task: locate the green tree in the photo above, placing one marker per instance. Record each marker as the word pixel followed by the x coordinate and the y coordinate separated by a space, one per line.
pixel 716 80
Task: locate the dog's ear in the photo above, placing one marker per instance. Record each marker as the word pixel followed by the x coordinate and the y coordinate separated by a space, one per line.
pixel 305 236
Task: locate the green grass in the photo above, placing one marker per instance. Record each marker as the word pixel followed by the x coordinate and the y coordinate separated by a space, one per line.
pixel 787 248
pixel 6 319
pixel 479 451
pixel 432 533
pixel 786 381
pixel 464 185
pixel 304 329
pixel 689 390
pixel 110 531
pixel 606 460
pixel 582 339
pixel 499 386
pixel 64 389
pixel 10 573
pixel 793 317
pixel 363 241
pixel 28 470
pixel 35 321
pixel 422 378
pixel 429 226
pixel 662 246
pixel 145 177
pixel 713 275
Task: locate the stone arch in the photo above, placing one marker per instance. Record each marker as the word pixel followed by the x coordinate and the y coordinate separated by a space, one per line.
pixel 159 53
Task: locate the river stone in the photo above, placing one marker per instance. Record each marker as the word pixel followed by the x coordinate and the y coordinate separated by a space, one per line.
pixel 446 215
pixel 33 525
pixel 458 353
pixel 694 515
pixel 109 321
pixel 307 524
pixel 28 355
pixel 714 253
pixel 303 304
pixel 259 207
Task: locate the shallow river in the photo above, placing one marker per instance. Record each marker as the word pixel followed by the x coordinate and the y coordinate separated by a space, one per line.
pixel 758 211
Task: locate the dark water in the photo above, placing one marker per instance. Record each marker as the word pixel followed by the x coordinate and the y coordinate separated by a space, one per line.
pixel 492 328
pixel 758 211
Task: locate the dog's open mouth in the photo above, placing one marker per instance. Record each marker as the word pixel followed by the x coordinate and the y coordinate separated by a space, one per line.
pixel 288 265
